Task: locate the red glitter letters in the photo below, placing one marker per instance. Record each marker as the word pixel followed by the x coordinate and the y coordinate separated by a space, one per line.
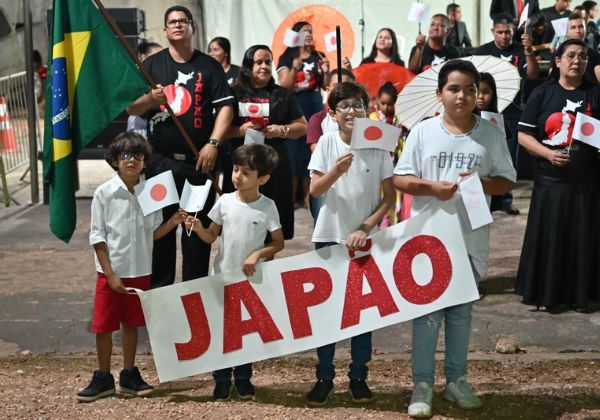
pixel 200 331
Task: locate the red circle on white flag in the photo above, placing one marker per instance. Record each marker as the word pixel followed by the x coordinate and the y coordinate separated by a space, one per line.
pixel 253 108
pixel 373 133
pixel 587 129
pixel 158 192
pixel 333 40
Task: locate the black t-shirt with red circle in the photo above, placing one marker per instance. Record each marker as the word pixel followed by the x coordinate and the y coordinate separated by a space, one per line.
pixel 311 76
pixel 193 89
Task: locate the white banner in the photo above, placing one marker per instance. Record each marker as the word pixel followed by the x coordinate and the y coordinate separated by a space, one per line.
pixel 309 300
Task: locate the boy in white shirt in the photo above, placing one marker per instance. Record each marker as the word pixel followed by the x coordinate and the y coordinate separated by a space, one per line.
pixel 349 182
pixel 438 151
pixel 123 239
pixel 244 218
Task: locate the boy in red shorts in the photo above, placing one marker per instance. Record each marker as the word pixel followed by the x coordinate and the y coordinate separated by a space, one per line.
pixel 122 238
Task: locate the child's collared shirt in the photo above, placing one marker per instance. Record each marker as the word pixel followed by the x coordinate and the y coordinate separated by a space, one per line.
pixel 354 195
pixel 117 220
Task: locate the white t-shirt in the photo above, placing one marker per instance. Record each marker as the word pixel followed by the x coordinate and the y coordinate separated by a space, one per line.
pixel 244 228
pixel 355 194
pixel 432 152
pixel 117 220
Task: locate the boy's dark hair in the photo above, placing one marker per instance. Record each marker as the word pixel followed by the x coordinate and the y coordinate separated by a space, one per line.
pixel 388 89
pixel 259 157
pixel 443 17
pixel 183 9
pixel 128 141
pixel 347 90
pixel 144 47
pixel 502 19
pixel 575 16
pixel 345 72
pixel 588 5
pixel 457 64
pixel 451 8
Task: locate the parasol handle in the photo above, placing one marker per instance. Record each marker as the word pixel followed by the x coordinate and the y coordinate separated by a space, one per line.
pixel 338 47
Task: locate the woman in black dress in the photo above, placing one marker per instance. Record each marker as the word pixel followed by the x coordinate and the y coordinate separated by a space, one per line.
pixel 265 106
pixel 559 258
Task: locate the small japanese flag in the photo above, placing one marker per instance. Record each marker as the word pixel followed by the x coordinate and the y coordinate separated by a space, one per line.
pixel 372 134
pixel 496 119
pixel 524 15
pixel 193 197
pixel 253 109
pixel 587 130
pixel 419 12
pixel 293 38
pixel 560 26
pixel 156 192
pixel 331 41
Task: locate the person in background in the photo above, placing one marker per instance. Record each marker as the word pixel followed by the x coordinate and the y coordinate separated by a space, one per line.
pixel 433 51
pixel 303 69
pixel 219 48
pixel 521 56
pixel 558 11
pixel 513 8
pixel 137 123
pixel 576 30
pixel 560 253
pixel 384 49
pixel 459 35
pixel 592 35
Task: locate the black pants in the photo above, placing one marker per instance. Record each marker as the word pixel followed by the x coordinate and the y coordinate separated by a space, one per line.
pixel 195 252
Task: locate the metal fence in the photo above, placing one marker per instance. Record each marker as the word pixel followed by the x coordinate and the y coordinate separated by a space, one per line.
pixel 14 131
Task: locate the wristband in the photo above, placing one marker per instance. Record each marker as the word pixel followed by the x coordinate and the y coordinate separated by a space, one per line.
pixel 214 143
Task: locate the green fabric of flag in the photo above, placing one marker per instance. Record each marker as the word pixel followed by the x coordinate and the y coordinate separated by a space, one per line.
pixel 91 79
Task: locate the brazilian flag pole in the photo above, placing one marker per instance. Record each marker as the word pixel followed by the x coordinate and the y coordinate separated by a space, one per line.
pixel 91 80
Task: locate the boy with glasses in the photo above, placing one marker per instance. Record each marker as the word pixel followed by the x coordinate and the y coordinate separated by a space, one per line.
pixel 122 238
pixel 349 182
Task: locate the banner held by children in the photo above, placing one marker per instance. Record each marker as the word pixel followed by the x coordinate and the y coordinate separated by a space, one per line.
pixel 309 300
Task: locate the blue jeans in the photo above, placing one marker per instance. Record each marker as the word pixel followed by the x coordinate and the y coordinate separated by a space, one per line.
pixel 315 206
pixel 239 372
pixel 457 323
pixel 360 350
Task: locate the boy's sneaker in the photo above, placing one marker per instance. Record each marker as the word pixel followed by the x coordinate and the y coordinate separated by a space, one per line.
pixel 245 389
pixel 359 391
pixel 131 382
pixel 102 385
pixel 320 393
pixel 222 391
pixel 461 393
pixel 420 401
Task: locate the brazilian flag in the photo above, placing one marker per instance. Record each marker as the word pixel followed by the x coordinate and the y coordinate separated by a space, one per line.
pixel 91 79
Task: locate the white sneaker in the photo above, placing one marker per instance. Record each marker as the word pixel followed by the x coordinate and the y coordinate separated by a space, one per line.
pixel 420 401
pixel 461 393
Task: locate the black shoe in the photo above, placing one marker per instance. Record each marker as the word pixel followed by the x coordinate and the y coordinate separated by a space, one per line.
pixel 131 382
pixel 320 393
pixel 222 391
pixel 245 389
pixel 102 385
pixel 359 391
pixel 511 210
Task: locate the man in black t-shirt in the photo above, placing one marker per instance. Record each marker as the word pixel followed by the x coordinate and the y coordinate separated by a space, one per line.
pixel 433 51
pixel 194 85
pixel 521 56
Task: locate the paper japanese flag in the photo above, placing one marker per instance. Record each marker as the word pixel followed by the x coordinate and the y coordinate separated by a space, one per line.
pixel 372 134
pixel 156 192
pixel 252 109
pixel 193 197
pixel 254 137
pixel 419 12
pixel 496 119
pixel 560 26
pixel 587 130
pixel 293 38
pixel 473 197
pixel 524 15
pixel 331 41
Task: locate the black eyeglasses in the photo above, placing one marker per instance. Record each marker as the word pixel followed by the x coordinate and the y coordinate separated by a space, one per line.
pixel 572 56
pixel 175 22
pixel 125 156
pixel 346 106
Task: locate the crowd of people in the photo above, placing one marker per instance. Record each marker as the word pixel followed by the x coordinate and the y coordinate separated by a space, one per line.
pixel 306 154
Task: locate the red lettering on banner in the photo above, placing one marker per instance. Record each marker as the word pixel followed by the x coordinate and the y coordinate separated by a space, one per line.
pixel 298 301
pixel 365 248
pixel 354 301
pixel 440 262
pixel 234 328
pixel 199 329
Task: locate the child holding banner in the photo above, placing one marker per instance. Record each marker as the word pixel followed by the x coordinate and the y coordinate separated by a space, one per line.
pixel 438 152
pixel 123 239
pixel 349 181
pixel 244 218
